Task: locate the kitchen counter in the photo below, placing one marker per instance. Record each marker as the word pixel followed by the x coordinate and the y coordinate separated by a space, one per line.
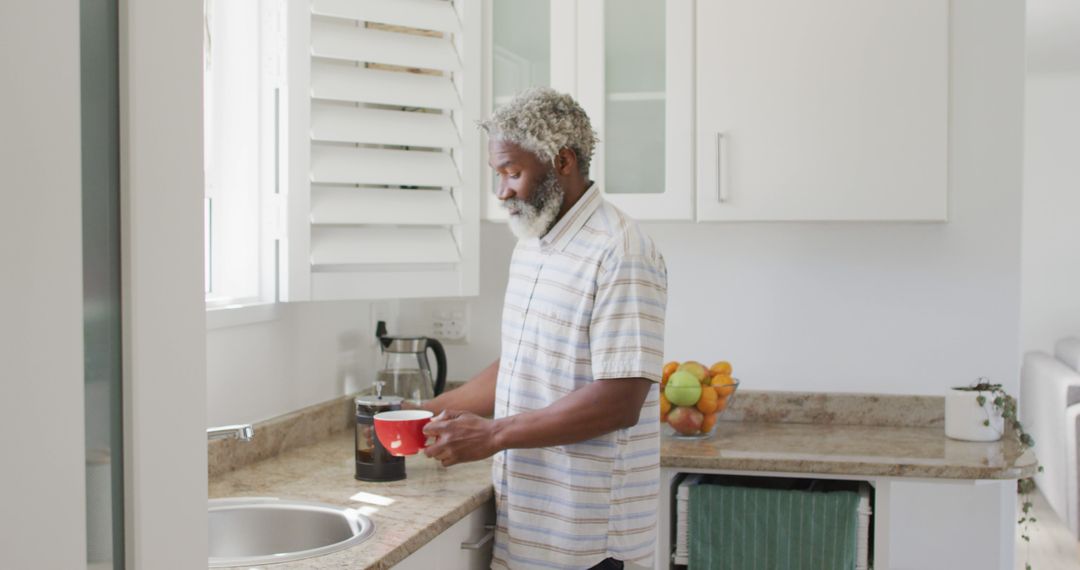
pixel 311 459
pixel 864 450
pixel 923 485
pixel 425 504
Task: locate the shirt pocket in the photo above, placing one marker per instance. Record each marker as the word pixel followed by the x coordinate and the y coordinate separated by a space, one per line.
pixel 558 340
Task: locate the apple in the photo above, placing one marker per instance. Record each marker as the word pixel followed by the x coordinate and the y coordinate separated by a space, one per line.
pixel 683 389
pixel 696 368
pixel 686 421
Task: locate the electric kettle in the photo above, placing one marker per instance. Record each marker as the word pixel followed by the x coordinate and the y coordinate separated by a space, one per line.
pixel 406 371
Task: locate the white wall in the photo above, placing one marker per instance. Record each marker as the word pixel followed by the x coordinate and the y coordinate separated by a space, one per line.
pixel 42 483
pixel 891 308
pixel 484 311
pixel 311 353
pixel 1051 234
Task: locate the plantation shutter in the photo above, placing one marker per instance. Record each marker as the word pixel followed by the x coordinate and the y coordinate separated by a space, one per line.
pixel 382 158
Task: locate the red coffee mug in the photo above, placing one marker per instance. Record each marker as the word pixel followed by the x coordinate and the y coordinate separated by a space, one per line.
pixel 402 431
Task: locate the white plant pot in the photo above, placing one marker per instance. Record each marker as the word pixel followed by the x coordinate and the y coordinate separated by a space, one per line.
pixel 964 416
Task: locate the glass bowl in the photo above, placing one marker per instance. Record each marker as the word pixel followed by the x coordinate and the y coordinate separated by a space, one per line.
pixel 727 399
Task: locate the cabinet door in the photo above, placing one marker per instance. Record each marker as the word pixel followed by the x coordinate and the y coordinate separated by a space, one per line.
pixel 635 79
pixel 826 110
pixel 520 57
pixel 464 546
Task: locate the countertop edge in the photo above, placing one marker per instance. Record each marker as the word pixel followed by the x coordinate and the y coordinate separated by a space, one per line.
pixel 744 465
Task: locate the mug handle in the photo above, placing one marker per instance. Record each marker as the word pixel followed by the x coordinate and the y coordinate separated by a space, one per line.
pixel 429 440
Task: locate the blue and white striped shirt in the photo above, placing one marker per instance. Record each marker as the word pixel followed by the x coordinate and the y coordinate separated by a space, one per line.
pixel 584 303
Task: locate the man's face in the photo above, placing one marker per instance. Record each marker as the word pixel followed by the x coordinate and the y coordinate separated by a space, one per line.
pixel 528 188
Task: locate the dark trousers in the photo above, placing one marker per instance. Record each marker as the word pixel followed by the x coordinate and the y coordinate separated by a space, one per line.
pixel 609 564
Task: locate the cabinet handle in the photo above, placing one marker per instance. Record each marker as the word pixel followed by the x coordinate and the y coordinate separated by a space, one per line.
pixel 721 188
pixel 478 544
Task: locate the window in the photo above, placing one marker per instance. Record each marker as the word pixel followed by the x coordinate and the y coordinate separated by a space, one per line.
pixel 242 47
pixel 341 151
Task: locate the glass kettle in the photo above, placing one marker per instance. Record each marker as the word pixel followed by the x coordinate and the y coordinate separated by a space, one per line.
pixel 406 371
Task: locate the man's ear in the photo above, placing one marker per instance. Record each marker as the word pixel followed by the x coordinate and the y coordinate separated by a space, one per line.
pixel 566 162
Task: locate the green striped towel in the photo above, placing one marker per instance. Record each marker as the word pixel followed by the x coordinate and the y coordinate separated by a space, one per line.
pixel 744 528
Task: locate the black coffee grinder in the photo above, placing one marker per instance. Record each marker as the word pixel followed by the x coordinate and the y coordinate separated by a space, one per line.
pixel 373 461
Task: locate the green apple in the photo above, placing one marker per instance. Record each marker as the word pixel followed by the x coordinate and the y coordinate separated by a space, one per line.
pixel 683 389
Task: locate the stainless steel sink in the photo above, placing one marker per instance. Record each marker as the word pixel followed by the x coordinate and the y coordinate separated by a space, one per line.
pixel 250 531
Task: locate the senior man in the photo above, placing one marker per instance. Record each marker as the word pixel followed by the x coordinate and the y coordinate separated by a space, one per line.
pixel 574 395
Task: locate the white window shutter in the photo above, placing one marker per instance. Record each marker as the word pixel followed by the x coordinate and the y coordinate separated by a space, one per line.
pixel 380 154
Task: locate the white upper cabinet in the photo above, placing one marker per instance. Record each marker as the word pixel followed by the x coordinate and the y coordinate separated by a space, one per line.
pixel 825 110
pixel 630 65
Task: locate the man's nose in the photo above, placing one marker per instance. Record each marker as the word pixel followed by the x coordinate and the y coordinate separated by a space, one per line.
pixel 504 192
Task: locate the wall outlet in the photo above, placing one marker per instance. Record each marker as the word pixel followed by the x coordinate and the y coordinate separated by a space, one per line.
pixel 450 321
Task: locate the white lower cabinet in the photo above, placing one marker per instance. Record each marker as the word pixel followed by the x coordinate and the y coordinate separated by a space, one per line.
pixel 467 545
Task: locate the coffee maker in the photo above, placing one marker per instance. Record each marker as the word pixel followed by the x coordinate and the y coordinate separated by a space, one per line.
pixel 373 461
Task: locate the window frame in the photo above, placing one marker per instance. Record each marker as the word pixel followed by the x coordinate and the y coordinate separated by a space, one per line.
pixel 241 281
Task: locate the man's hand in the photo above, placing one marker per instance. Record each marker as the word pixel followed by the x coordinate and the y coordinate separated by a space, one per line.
pixel 462 437
pixel 408 405
pixel 477 395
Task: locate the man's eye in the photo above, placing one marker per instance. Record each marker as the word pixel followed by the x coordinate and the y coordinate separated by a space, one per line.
pixel 515 175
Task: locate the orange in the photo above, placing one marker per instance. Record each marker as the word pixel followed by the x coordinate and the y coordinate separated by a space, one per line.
pixel 665 405
pixel 707 403
pixel 721 404
pixel 710 421
pixel 696 368
pixel 669 369
pixel 663 418
pixel 723 384
pixel 722 368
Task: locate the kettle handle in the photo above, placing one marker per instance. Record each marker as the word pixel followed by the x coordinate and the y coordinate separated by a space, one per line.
pixel 440 362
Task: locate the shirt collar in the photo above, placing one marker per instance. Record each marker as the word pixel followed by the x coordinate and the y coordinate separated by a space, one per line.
pixel 567 227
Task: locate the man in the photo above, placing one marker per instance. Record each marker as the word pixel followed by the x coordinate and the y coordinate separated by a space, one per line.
pixel 574 395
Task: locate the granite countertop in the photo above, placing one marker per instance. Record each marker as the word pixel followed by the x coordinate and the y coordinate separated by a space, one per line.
pixel 425 504
pixel 308 456
pixel 866 450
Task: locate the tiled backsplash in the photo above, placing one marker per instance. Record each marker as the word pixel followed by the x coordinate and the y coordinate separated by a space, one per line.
pixel 296 429
pixel 837 408
pixel 314 423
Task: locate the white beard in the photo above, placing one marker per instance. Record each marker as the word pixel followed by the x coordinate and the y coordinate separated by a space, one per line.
pixel 535 217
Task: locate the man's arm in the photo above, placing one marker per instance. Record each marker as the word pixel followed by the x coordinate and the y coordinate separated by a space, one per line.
pixel 476 396
pixel 599 408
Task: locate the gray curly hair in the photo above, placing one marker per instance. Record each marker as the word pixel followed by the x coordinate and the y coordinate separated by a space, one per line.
pixel 543 121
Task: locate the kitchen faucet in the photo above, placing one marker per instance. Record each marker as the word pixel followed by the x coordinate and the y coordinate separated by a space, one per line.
pixel 243 432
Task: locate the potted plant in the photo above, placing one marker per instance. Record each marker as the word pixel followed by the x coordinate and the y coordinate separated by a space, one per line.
pixel 986 412
pixel 977 412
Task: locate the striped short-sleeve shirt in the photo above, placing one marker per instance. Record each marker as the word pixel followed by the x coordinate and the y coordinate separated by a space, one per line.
pixel 584 303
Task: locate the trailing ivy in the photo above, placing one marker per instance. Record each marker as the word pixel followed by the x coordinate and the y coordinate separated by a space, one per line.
pixel 1005 405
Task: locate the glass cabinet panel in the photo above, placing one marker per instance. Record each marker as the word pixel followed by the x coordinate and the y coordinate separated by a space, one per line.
pixel 520 58
pixel 521 53
pixel 634 96
pixel 100 102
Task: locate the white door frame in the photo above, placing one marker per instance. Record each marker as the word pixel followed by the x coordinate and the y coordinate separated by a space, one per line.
pixel 42 483
pixel 161 43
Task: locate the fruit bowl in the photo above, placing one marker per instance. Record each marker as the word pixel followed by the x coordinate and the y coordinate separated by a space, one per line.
pixel 693 397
